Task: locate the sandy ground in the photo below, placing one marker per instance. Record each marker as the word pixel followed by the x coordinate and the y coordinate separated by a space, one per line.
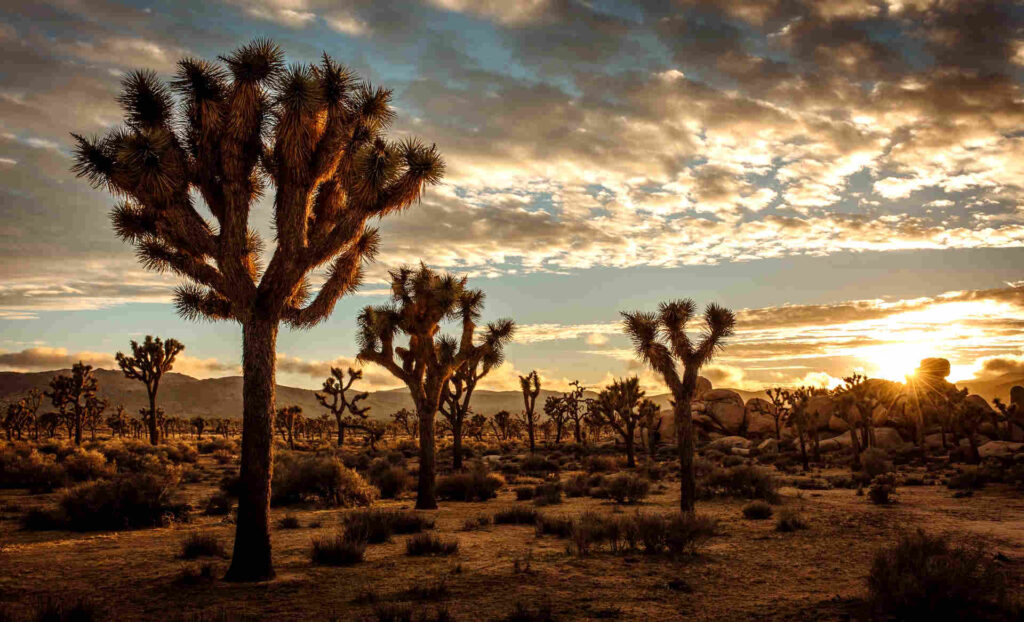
pixel 748 571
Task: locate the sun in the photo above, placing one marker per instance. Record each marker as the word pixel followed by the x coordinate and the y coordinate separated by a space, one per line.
pixel 894 361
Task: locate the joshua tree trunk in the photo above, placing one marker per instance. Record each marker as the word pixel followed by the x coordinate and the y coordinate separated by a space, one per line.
pixel 154 431
pixel 684 440
pixel 251 559
pixel 630 448
pixel 341 432
pixel 803 449
pixel 425 499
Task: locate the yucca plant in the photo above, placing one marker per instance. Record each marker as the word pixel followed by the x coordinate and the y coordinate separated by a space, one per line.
pixel 149 361
pixel 227 133
pixel 420 300
pixel 660 340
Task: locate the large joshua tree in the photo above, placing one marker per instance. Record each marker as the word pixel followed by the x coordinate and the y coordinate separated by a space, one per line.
pixel 458 391
pixel 316 136
pixel 618 407
pixel 148 363
pixel 421 300
pixel 660 340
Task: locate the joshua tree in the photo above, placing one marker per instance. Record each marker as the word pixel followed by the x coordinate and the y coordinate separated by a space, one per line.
pixel 149 361
pixel 574 409
pixel 797 416
pixel 617 407
pixel 779 411
pixel 556 410
pixel 458 390
pixel 198 424
pixel 476 425
pixel 333 399
pixel 316 135
pixel 286 420
pixel 660 340
pixel 530 385
pixel 94 407
pixel 1012 414
pixel 503 424
pixel 118 422
pixel 71 396
pixel 406 422
pixel 421 300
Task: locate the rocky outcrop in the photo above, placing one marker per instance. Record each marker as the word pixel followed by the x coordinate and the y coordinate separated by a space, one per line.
pixel 1001 449
pixel 885 438
pixel 721 410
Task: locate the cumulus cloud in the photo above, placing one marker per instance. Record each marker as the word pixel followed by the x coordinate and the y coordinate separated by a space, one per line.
pixel 47 358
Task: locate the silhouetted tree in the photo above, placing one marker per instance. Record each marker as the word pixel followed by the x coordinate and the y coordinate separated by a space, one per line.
pixel 660 340
pixel 71 395
pixel 650 419
pixel 530 385
pixel 149 361
pixel 556 409
pixel 421 300
pixel 617 407
pixel 575 409
pixel 313 132
pixel 198 424
pixel 797 416
pixel 454 406
pixel 503 425
pixel 286 420
pixel 333 399
pixel 778 412
pixel 406 421
pixel 118 421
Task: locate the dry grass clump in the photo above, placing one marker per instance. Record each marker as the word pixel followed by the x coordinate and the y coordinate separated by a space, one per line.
pixel 323 480
pixel 626 488
pixel 423 544
pixel 790 520
pixel 516 515
pixel 197 544
pixel 475 485
pixel 744 482
pixel 378 525
pixel 675 534
pixel 757 510
pixel 339 549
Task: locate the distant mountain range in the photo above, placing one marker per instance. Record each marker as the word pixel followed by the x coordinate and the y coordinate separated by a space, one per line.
pixel 182 395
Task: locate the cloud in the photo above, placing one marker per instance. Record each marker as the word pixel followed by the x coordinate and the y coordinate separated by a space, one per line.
pixel 310 372
pixel 48 358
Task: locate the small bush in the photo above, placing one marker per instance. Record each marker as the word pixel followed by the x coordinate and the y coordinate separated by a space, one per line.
pixel 535 464
pixel 475 485
pixel 219 504
pixel 627 488
pixel 85 465
pixel 318 479
pixel 473 524
pixel 686 533
pixel 757 510
pixel 24 467
pixel 601 464
pixel 883 489
pixel 128 501
pixel 547 494
pixel 201 575
pixel 289 521
pixel 576 486
pixel 745 482
pixel 378 525
pixel 197 544
pixel 516 515
pixel 524 613
pixel 61 610
pixel 524 493
pixel 932 577
pixel 390 479
pixel 340 549
pixel 428 544
pixel 395 612
pixel 560 526
pixel 971 478
pixel 789 521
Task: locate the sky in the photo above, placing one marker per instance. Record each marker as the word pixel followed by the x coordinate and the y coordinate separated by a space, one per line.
pixel 845 174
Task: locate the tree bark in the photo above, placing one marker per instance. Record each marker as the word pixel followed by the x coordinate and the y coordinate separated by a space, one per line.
pixel 630 450
pixel 684 440
pixel 425 494
pixel 457 442
pixel 251 560
pixel 341 433
pixel 154 431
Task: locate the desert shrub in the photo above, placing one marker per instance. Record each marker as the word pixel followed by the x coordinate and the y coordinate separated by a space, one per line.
pixel 883 489
pixel 757 510
pixel 627 488
pixel 875 461
pixel 651 471
pixel 318 479
pixel 475 485
pixel 197 544
pixel 391 479
pixel 84 465
pixel 218 504
pixel 971 478
pixel 479 522
pixel 811 483
pixel 24 467
pixel 223 457
pixel 927 576
pixel 339 549
pixel 601 464
pixel 230 485
pixel 196 575
pixel 397 612
pixel 560 526
pixel 789 520
pixel 429 544
pixel 745 482
pixel 538 464
pixel 524 493
pixel 127 501
pixel 525 613
pixel 731 460
pixel 547 494
pixel 377 525
pixel 59 610
pixel 686 533
pixel 215 445
pixel 433 591
pixel 677 534
pixel 516 515
pixel 289 521
pixel 576 486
